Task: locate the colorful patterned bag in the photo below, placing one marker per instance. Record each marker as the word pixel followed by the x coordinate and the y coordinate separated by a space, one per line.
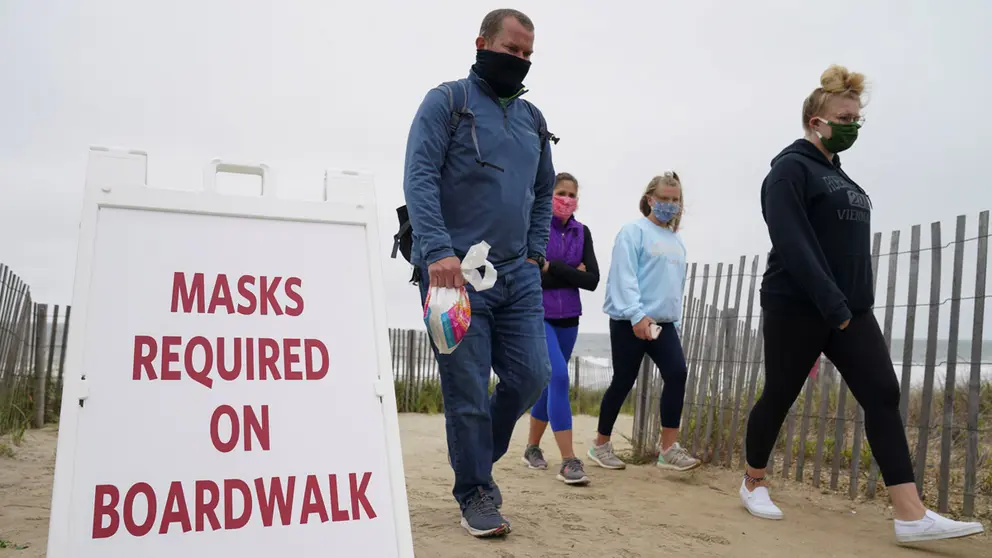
pixel 447 312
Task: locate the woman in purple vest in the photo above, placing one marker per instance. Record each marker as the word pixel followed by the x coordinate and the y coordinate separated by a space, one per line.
pixel 570 266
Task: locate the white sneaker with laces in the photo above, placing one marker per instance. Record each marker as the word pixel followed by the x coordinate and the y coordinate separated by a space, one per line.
pixel 933 527
pixel 759 502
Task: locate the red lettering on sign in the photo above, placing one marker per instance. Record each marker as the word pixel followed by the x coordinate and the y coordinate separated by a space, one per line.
pixel 289 359
pixel 253 427
pixel 207 509
pixel 257 294
pixel 268 355
pixel 187 295
pixel 293 285
pixel 228 359
pixel 275 497
pixel 235 370
pixel 313 502
pixel 232 417
pixel 175 510
pixel 139 529
pixel 337 514
pixel 102 508
pixel 316 373
pixel 231 522
pixel 358 495
pixel 256 428
pixel 268 291
pixel 169 357
pixel 221 296
pixel 251 303
pixel 144 359
pixel 272 496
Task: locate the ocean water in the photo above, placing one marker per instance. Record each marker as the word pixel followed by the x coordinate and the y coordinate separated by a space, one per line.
pixel 591 360
pixel 593 350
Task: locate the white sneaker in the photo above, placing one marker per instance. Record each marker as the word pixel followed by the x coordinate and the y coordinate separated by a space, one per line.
pixel 759 503
pixel 934 527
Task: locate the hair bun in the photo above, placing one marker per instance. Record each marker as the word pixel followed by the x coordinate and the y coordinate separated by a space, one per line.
pixel 837 79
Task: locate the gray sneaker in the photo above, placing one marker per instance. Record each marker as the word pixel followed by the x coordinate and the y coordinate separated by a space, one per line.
pixel 481 518
pixel 494 493
pixel 534 458
pixel 572 472
pixel 677 459
pixel 604 457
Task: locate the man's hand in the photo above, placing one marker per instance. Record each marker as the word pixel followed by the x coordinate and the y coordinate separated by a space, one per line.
pixel 544 268
pixel 844 325
pixel 581 267
pixel 446 272
pixel 642 329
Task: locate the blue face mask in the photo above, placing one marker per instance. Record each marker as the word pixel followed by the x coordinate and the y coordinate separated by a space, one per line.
pixel 665 211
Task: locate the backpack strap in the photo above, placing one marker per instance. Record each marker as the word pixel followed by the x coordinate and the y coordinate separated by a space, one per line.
pixel 398 237
pixel 456 114
pixel 542 126
pixel 463 112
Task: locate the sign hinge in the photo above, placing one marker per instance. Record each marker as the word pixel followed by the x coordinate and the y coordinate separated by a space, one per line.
pixel 380 387
pixel 84 390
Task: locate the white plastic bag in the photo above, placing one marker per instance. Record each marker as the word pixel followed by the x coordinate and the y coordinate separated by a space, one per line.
pixel 447 312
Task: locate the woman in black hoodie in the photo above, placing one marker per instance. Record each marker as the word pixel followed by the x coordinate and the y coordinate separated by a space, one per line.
pixel 817 295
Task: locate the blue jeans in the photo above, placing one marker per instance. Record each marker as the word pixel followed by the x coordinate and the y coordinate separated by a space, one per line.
pixel 554 405
pixel 506 336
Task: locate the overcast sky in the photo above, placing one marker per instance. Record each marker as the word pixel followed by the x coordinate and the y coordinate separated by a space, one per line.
pixel 711 89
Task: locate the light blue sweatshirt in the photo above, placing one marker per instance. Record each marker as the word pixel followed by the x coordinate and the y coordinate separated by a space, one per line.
pixel 647 274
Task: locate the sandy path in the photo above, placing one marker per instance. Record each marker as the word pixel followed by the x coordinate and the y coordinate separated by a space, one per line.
pixel 640 512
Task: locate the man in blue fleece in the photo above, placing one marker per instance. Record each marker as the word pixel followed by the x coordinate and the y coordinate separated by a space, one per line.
pixel 488 178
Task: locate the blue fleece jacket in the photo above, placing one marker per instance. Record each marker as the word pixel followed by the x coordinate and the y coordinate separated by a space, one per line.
pixel 454 201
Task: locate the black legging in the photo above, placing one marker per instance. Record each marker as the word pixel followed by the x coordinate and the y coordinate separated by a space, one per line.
pixel 628 353
pixel 792 345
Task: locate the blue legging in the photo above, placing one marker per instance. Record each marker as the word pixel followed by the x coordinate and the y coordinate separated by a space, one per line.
pixel 553 406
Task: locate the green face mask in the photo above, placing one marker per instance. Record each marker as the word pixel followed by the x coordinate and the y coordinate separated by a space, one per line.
pixel 842 136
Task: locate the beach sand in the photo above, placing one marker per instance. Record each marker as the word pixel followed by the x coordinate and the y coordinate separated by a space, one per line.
pixel 639 512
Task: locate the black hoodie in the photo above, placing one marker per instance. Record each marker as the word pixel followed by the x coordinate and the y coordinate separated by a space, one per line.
pixel 819 222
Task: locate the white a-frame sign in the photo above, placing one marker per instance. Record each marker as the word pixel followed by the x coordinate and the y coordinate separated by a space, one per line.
pixel 228 389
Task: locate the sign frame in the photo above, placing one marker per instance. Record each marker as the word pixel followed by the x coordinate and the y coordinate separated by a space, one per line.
pixel 117 179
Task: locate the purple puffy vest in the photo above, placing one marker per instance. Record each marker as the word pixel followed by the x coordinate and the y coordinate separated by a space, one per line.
pixel 565 244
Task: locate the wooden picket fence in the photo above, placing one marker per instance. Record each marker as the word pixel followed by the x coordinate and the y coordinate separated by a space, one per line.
pixel 946 424
pixel 822 441
pixel 32 354
pixel 418 384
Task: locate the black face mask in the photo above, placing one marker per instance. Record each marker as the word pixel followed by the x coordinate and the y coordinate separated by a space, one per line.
pixel 503 72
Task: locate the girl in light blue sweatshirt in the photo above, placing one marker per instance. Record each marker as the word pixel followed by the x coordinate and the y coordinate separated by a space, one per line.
pixel 644 302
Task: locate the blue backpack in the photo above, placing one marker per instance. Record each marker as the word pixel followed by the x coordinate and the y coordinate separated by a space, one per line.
pixel 403 239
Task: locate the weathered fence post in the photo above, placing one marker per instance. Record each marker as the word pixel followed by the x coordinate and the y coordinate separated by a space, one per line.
pixel 923 435
pixel 641 436
pixel 62 346
pixel 975 380
pixel 952 361
pixel 50 393
pixel 411 337
pixel 41 315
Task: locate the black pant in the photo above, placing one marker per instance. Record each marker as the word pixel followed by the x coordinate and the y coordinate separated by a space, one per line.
pixel 628 353
pixel 792 345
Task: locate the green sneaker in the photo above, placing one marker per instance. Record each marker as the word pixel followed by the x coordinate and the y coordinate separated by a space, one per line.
pixel 677 459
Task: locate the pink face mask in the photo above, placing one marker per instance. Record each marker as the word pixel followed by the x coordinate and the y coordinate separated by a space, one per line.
pixel 563 206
